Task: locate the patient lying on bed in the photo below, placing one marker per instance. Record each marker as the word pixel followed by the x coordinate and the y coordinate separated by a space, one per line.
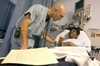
pixel 74 37
pixel 77 38
pixel 71 38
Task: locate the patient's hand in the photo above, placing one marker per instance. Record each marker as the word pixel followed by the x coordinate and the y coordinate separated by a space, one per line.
pixel 68 44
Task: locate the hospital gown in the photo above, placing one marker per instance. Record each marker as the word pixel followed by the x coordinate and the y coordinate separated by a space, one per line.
pixel 82 39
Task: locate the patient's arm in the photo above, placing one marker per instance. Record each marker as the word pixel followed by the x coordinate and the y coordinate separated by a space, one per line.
pixel 68 44
pixel 62 34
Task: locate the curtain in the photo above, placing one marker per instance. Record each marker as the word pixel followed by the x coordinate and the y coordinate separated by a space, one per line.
pixel 5 16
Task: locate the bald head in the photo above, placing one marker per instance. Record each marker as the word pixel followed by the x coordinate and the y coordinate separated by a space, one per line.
pixel 57 11
pixel 60 7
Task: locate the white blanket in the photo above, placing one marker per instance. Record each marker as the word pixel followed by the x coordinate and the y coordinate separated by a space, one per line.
pixel 94 62
pixel 78 54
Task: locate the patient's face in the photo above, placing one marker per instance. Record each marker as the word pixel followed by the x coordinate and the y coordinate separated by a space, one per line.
pixel 73 34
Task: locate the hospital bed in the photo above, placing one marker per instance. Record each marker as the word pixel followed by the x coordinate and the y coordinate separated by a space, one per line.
pixel 78 55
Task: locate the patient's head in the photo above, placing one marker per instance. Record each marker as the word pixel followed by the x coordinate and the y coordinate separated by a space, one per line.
pixel 74 33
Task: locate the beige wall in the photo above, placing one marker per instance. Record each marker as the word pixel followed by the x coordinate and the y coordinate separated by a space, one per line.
pixel 94 24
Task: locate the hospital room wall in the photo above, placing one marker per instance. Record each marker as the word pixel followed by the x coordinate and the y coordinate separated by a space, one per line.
pixel 93 26
pixel 95 14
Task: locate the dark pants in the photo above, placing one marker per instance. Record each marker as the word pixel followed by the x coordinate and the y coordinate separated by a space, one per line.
pixel 62 62
pixel 66 64
pixel 37 41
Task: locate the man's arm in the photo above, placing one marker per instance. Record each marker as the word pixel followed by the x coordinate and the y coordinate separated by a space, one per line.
pixel 49 37
pixel 24 32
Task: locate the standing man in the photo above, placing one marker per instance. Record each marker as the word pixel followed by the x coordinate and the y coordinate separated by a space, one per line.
pixel 35 21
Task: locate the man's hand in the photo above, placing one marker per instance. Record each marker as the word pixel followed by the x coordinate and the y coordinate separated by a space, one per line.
pixel 49 38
